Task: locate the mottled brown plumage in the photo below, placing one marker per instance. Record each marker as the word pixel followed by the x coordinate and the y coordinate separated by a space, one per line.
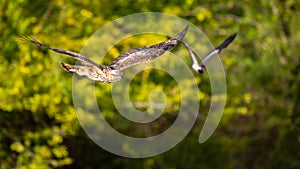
pixel 114 71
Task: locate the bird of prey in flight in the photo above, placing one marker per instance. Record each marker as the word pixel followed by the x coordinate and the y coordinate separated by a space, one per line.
pixel 201 67
pixel 114 71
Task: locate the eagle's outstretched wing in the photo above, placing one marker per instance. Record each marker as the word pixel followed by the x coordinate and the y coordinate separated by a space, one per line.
pixel 81 58
pixel 146 53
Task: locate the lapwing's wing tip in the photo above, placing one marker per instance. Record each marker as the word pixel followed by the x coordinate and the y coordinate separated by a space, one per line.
pixel 232 37
pixel 226 42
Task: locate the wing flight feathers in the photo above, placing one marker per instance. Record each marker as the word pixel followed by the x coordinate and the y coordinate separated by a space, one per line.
pixel 146 54
pixel 84 60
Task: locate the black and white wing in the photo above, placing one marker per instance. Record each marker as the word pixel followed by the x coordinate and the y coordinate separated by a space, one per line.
pixel 201 67
pixel 225 43
pixel 146 53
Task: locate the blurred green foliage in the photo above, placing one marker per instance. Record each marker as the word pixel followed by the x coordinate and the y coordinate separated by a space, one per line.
pixel 260 125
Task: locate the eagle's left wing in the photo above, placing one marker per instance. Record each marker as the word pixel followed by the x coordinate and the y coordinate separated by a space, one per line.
pixel 81 58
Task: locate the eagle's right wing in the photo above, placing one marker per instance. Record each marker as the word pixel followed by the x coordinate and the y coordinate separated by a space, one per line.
pixel 146 53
